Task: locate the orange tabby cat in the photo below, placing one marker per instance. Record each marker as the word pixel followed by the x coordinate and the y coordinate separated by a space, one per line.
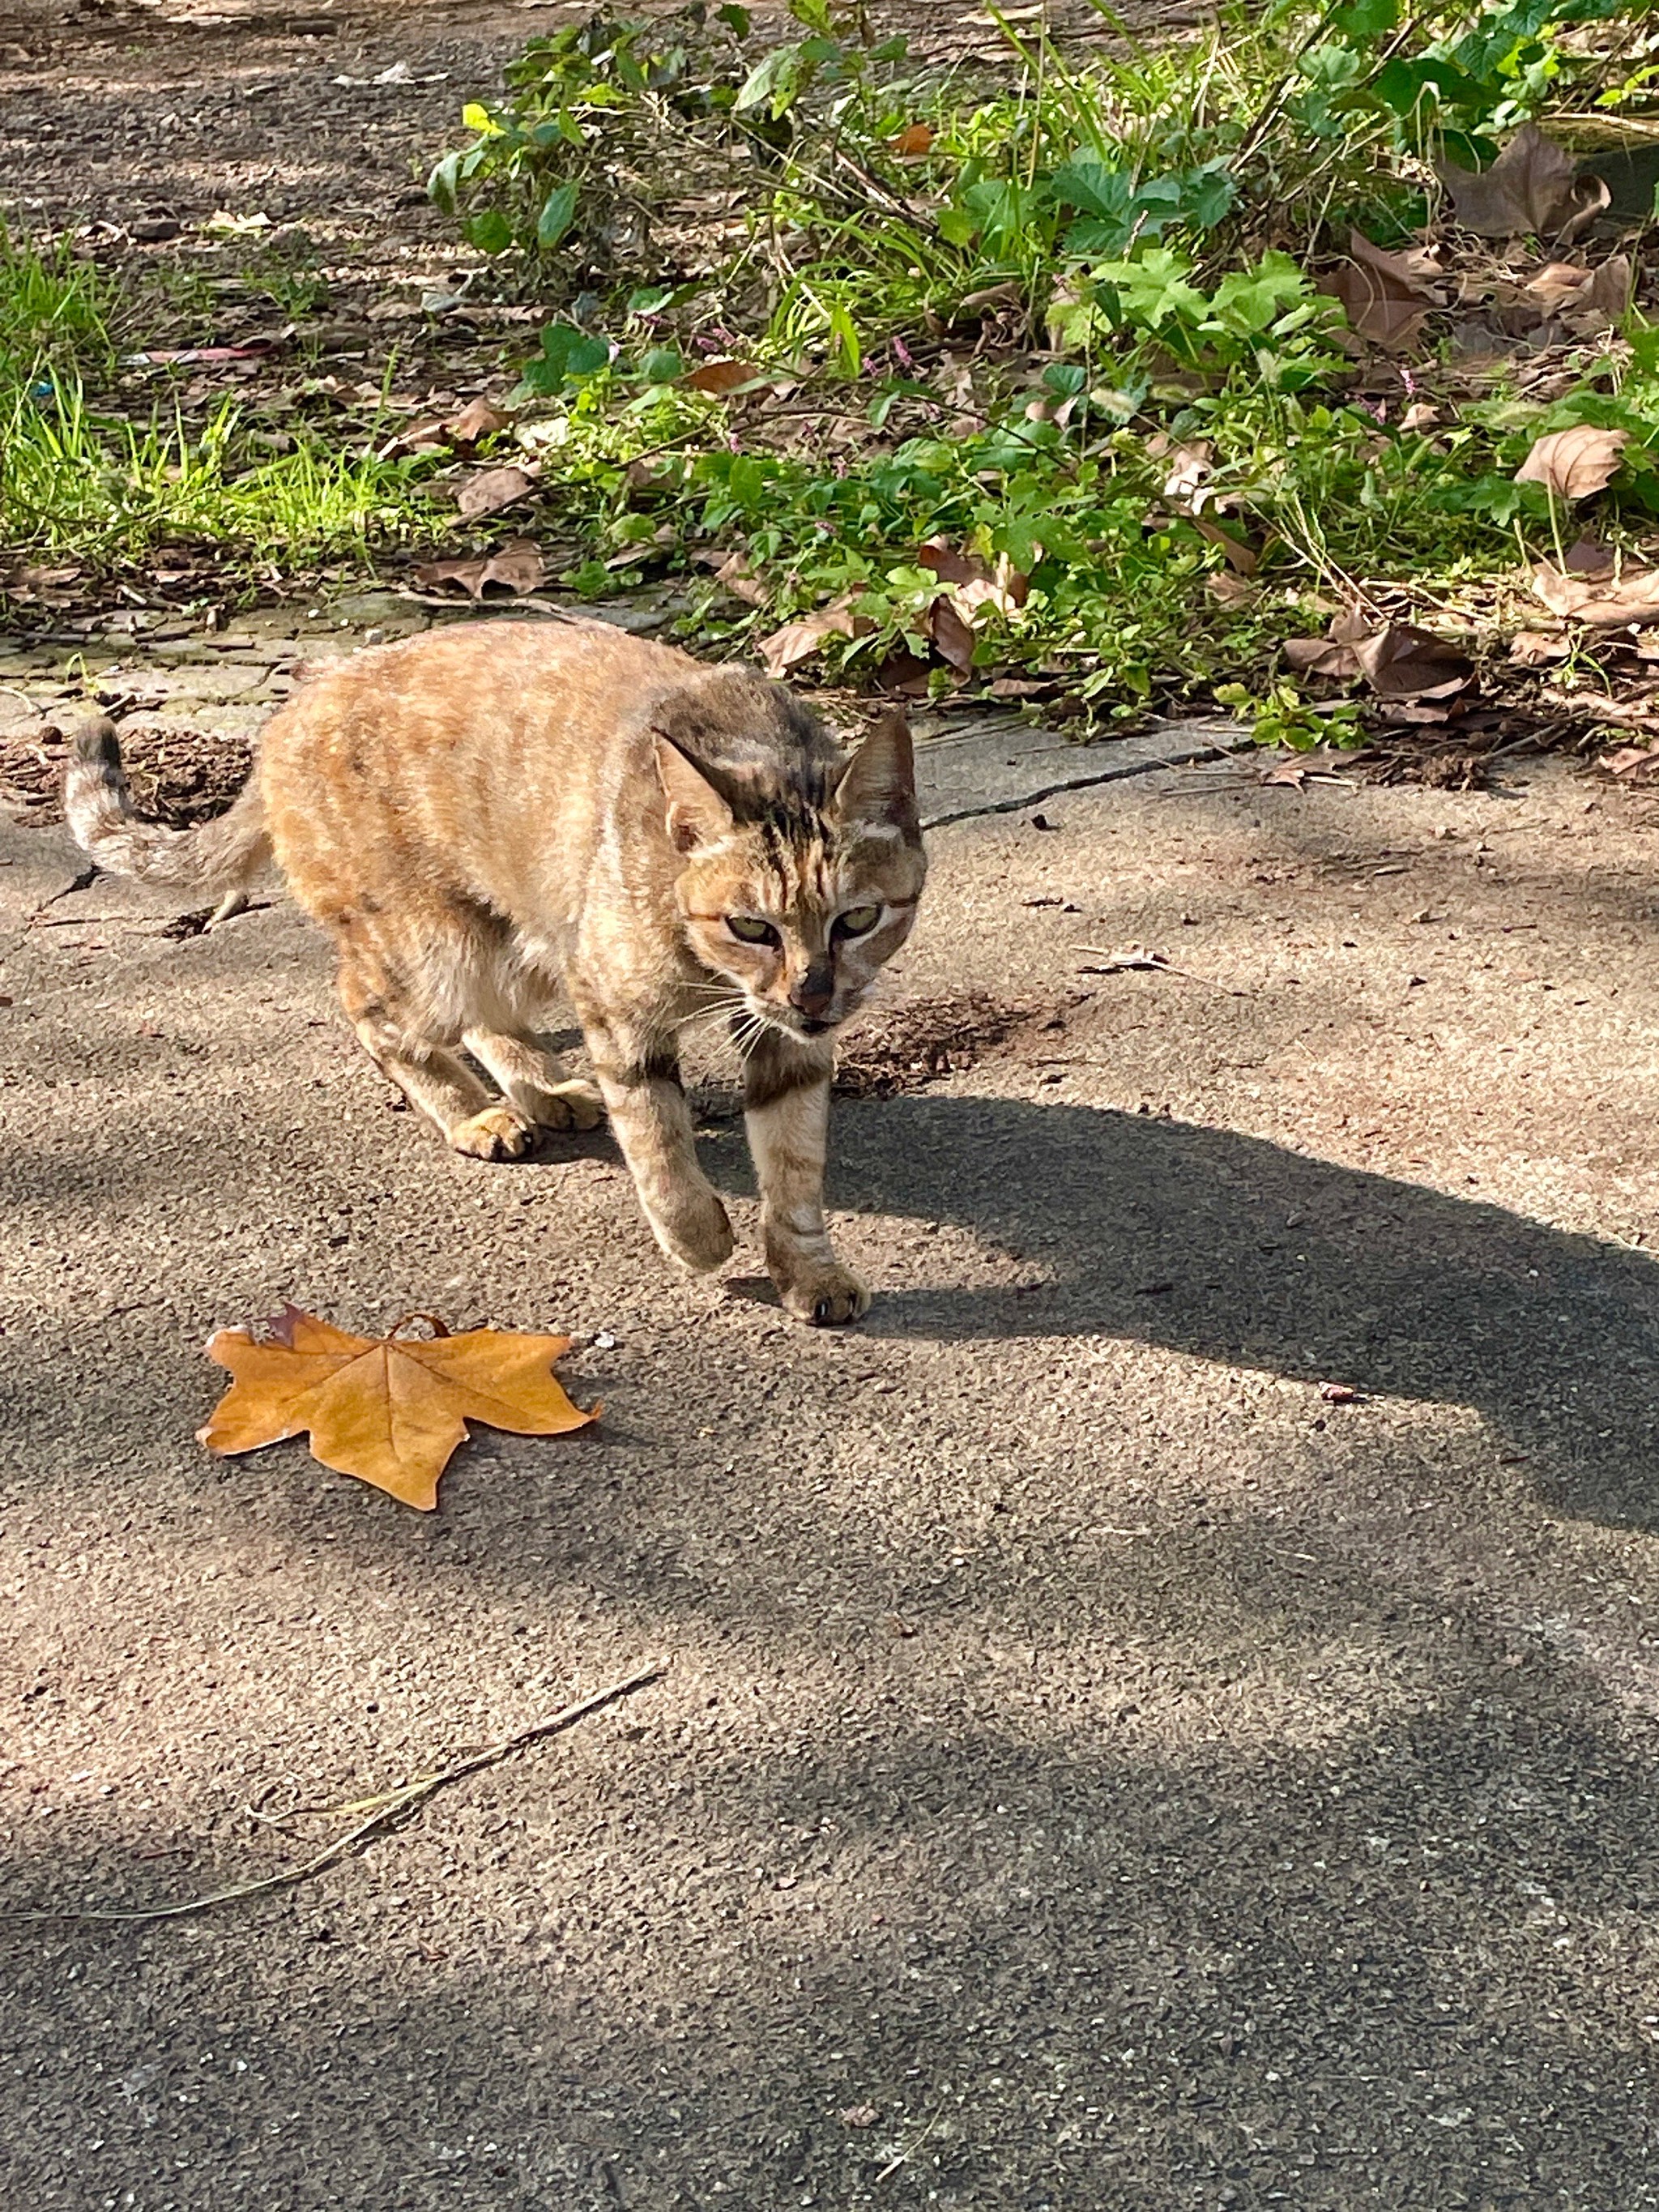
pixel 485 814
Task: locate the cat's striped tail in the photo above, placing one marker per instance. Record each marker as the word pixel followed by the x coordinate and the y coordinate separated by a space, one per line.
pixel 223 856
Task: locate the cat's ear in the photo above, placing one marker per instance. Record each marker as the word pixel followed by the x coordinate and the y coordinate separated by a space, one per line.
pixel 879 782
pixel 697 814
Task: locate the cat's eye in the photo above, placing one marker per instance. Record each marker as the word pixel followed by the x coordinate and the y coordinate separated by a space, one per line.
pixel 857 920
pixel 751 929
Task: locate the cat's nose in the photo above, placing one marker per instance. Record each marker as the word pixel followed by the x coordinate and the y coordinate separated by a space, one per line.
pixel 814 994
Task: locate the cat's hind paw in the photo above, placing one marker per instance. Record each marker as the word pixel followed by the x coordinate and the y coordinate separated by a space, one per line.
pixel 573 1105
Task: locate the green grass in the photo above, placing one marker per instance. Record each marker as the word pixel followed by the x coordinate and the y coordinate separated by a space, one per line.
pixel 104 490
pixel 53 309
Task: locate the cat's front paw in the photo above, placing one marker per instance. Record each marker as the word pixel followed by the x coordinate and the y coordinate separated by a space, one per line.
pixel 697 1233
pixel 495 1132
pixel 823 1297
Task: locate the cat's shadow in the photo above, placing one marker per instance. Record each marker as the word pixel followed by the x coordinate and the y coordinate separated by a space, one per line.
pixel 1239 1251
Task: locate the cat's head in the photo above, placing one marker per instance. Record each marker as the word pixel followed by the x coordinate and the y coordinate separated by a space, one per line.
pixel 801 866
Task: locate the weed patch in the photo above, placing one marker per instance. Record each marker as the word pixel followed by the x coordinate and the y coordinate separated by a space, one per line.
pixel 834 325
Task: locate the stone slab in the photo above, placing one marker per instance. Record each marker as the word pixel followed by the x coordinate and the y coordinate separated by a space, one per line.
pixel 997 766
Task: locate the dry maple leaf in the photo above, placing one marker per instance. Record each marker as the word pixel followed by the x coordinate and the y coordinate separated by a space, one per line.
pixel 1572 463
pixel 1534 185
pixel 389 1410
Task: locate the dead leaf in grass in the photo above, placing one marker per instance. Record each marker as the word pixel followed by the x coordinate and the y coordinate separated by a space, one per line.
pixel 389 1410
pixel 1400 662
pixel 1576 462
pixel 740 579
pixel 950 635
pixel 1189 471
pixel 1536 648
pixel 492 489
pixel 517 568
pixel 1589 556
pixel 722 376
pixel 1238 552
pixel 1604 604
pixel 1533 187
pixel 1384 295
pixel 477 421
pixel 1556 283
pixel 799 640
pixel 913 142
pixel 1232 591
pixel 973 586
pixel 1607 296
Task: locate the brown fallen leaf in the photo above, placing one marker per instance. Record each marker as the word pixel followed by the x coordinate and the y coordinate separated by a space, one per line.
pixel 1400 662
pixel 1589 556
pixel 1633 598
pixel 740 579
pixel 491 490
pixel 799 640
pixel 389 1410
pixel 1384 295
pixel 1629 760
pixel 477 421
pixel 1536 648
pixel 1533 187
pixel 1232 591
pixel 1238 552
pixel 1575 463
pixel 517 568
pixel 913 141
pixel 722 376
pixel 1602 303
pixel 1187 470
pixel 974 588
pixel 950 635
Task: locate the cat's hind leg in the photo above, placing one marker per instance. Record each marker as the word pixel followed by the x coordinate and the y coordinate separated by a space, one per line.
pixel 433 1079
pixel 535 1080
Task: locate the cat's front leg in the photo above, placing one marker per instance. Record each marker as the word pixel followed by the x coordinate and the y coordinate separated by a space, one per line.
pixel 643 1096
pixel 787 1109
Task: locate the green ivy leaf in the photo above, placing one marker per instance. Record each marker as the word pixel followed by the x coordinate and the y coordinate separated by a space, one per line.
pixel 557 211
pixel 490 232
pixel 1364 19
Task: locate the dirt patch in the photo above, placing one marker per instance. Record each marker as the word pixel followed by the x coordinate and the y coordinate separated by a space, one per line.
pixel 179 777
pixel 921 1042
